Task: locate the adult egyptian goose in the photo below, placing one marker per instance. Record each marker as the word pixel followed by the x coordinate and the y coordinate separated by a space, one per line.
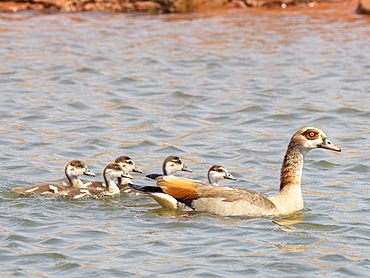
pixel 72 170
pixel 128 166
pixel 232 201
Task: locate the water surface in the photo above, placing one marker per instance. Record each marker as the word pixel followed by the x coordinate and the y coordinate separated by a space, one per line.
pixel 224 88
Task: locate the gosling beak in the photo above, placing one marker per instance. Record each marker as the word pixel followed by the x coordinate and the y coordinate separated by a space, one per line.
pixel 127 175
pixel 228 176
pixel 89 173
pixel 186 169
pixel 329 145
pixel 137 170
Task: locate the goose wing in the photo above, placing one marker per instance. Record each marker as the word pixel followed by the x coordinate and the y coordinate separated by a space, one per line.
pixel 180 188
pixel 45 188
pixel 233 194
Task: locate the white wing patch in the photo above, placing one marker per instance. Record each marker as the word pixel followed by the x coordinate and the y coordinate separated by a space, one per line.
pixel 83 192
pixel 32 189
pixel 165 200
pixel 53 188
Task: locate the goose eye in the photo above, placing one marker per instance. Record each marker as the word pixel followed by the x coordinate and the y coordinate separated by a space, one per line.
pixel 312 134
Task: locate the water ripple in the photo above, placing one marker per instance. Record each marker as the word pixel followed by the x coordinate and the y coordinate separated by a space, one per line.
pixel 224 89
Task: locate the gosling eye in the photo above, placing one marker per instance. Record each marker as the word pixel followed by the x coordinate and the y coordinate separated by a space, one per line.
pixel 129 162
pixel 220 170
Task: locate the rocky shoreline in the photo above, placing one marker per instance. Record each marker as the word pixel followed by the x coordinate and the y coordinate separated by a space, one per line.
pixel 157 6
pixel 363 7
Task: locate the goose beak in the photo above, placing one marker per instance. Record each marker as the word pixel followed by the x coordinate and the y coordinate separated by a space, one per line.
pixel 127 175
pixel 186 169
pixel 137 170
pixel 89 173
pixel 329 145
pixel 228 176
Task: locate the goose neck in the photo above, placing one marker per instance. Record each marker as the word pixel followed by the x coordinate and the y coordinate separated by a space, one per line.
pixel 291 169
pixel 212 180
pixel 111 185
pixel 289 198
pixel 123 181
pixel 167 170
pixel 74 181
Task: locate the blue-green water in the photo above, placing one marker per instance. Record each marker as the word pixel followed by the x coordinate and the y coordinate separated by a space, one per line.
pixel 225 88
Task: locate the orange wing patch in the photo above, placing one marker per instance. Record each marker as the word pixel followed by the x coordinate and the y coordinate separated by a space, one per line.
pixel 179 188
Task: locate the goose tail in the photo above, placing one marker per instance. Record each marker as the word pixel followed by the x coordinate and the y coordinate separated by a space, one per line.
pixel 146 189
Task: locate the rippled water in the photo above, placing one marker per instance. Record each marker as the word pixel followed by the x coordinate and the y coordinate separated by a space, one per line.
pixel 225 88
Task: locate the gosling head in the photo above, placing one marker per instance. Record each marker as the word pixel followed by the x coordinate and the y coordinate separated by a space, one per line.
pixel 217 173
pixel 173 164
pixel 127 164
pixel 114 170
pixel 75 168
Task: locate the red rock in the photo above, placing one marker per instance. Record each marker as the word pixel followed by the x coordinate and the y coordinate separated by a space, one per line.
pixel 147 6
pixel 364 7
pixel 153 6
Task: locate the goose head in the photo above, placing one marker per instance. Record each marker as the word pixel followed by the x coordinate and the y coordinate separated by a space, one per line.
pixel 75 168
pixel 127 164
pixel 173 164
pixel 115 170
pixel 308 138
pixel 217 173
